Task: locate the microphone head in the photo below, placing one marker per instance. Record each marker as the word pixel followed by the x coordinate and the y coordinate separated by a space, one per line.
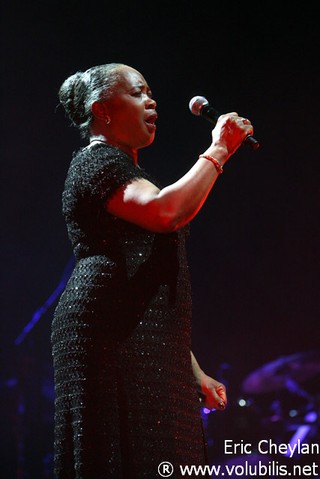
pixel 196 103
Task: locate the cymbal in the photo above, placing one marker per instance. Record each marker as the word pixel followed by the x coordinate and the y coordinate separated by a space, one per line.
pixel 276 375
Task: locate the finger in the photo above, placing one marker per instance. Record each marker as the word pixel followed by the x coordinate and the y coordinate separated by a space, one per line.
pixel 221 397
pixel 249 131
pixel 230 114
pixel 221 392
pixel 213 400
pixel 215 403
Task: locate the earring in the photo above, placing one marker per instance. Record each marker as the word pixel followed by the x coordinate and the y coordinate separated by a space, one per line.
pixel 107 120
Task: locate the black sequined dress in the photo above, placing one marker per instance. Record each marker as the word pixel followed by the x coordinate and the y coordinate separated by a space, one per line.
pixel 125 393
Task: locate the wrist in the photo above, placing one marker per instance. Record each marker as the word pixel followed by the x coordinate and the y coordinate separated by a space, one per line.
pixel 220 153
pixel 197 371
pixel 215 162
pixel 199 375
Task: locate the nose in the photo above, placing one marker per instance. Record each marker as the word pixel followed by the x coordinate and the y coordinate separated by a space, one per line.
pixel 151 104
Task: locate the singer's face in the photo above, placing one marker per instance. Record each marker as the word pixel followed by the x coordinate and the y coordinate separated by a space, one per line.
pixel 132 112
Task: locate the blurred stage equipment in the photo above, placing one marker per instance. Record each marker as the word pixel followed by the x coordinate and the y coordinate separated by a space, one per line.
pixel 284 373
pixel 32 396
pixel 294 410
pixel 47 304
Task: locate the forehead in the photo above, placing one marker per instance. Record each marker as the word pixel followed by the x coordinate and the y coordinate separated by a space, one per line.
pixel 131 78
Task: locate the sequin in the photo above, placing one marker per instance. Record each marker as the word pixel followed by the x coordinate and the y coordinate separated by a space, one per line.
pixel 125 393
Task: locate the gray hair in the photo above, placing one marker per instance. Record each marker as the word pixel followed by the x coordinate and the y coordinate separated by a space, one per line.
pixel 80 90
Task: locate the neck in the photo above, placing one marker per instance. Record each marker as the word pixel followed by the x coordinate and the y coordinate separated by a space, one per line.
pixel 102 139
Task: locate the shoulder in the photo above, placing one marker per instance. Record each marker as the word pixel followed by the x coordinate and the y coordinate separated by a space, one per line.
pixel 88 164
pixel 99 155
pixel 100 170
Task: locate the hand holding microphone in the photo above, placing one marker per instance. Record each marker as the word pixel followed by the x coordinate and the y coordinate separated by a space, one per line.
pixel 200 106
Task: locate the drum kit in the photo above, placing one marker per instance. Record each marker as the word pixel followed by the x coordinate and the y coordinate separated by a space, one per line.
pixel 287 372
pixel 290 387
pixel 278 404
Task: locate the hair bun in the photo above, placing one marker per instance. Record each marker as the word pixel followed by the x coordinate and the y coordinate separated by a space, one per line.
pixel 78 92
pixel 72 96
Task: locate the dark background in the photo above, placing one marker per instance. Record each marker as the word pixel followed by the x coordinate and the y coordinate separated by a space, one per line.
pixel 253 247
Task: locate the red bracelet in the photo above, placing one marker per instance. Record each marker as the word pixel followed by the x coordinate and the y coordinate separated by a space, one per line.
pixel 214 161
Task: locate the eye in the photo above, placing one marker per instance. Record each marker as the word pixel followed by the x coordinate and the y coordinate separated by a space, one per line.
pixel 137 93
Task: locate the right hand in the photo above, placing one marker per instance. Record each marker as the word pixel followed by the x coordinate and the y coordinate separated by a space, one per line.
pixel 230 132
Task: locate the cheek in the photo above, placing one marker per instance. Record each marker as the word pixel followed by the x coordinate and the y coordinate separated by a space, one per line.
pixel 127 116
pixel 128 122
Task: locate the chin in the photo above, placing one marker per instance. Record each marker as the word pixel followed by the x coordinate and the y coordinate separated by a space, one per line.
pixel 148 142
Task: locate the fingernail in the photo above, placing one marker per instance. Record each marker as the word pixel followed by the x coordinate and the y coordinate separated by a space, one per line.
pixel 221 405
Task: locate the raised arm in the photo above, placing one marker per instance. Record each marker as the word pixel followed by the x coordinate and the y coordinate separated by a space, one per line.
pixel 169 209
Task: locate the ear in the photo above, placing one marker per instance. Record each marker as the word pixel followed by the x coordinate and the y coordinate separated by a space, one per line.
pixel 99 110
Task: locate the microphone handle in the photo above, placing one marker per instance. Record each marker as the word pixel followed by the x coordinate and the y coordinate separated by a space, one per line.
pixel 252 142
pixel 212 115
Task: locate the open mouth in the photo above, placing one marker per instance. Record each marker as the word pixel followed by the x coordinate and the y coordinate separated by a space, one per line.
pixel 151 120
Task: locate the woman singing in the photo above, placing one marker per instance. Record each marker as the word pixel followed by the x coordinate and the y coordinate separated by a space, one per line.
pixel 126 382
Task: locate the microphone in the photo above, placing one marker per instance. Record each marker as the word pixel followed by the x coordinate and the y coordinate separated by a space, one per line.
pixel 200 106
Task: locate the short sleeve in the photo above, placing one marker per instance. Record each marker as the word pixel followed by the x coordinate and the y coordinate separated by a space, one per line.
pixel 103 171
pixel 95 174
